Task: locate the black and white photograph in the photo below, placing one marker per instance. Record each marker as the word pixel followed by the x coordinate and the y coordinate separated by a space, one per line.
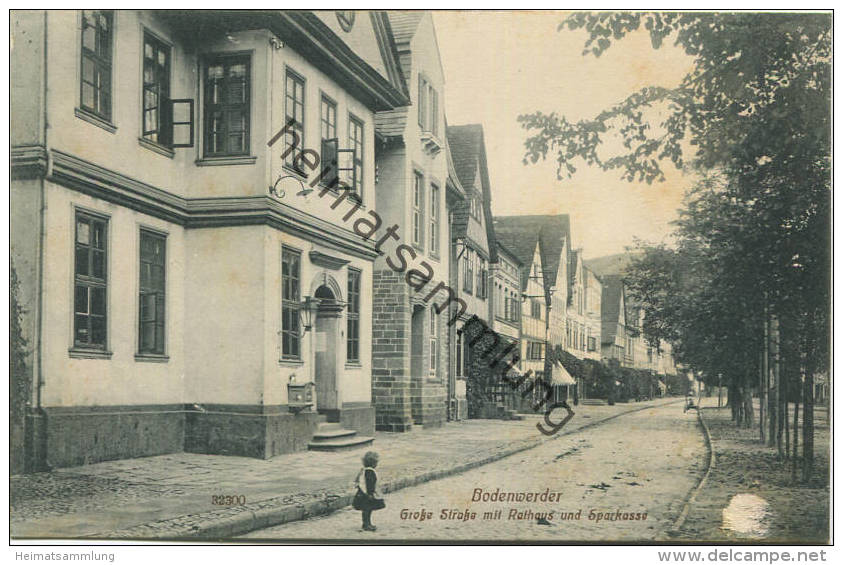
pixel 421 277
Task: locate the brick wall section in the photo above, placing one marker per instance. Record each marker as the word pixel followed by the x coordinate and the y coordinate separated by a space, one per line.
pixel 399 399
pixel 391 352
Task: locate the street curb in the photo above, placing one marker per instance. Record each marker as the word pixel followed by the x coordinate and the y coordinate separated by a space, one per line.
pixel 669 533
pixel 225 524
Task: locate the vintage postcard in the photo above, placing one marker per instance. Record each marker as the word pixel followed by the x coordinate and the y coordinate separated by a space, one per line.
pixel 509 277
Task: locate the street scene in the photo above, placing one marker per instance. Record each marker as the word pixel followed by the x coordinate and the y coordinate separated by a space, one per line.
pixel 618 466
pixel 365 276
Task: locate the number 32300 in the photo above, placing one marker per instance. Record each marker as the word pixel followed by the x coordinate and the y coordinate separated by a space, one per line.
pixel 228 500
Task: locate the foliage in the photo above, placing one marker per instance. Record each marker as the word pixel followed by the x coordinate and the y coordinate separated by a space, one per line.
pixel 20 383
pixel 753 239
pixel 759 85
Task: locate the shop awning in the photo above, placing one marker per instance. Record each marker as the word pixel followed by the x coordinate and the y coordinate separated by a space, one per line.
pixel 560 376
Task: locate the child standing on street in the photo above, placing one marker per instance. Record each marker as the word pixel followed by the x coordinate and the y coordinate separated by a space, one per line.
pixel 366 499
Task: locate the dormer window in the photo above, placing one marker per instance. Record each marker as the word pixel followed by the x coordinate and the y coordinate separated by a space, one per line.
pixel 428 116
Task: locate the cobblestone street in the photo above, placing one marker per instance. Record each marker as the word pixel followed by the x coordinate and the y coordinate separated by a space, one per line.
pixel 643 462
pixel 171 495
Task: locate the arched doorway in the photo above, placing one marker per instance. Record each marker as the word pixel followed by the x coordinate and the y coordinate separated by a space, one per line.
pixel 327 344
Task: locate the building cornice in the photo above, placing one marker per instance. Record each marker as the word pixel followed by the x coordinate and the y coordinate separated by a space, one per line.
pixel 306 34
pixel 192 213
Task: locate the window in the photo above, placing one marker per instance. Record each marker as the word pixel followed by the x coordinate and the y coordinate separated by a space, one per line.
pixel 97 35
pixel 434 112
pixel 328 125
pixel 355 144
pixel 482 278
pixel 422 102
pixel 294 115
pixel 592 344
pixel 474 206
pixel 290 304
pixel 152 293
pixel 434 219
pixel 468 271
pixel 428 107
pixel 535 309
pixel 434 333
pixel 534 350
pixel 507 305
pixel 156 90
pixel 227 106
pixel 90 281
pixel 353 317
pixel 418 210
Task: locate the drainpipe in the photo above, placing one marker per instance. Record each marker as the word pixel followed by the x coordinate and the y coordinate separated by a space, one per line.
pixel 35 458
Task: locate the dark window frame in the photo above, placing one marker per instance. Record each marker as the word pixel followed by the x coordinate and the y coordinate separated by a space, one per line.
pixel 434 218
pixel 292 160
pixel 291 303
pixel 353 316
pixel 356 145
pixel 85 254
pixel 101 59
pixel 418 209
pixel 159 292
pixel 227 108
pixel 160 86
pixel 330 142
pixel 422 102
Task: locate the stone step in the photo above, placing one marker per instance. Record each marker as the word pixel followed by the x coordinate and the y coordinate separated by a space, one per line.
pixel 331 434
pixel 350 442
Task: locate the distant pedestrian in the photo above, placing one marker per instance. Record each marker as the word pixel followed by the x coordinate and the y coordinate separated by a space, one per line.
pixel 366 499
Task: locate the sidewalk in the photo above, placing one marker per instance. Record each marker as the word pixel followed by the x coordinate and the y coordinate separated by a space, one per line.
pixel 170 496
pixel 795 512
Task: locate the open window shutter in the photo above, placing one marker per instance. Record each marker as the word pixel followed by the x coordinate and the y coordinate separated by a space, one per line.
pixel 345 158
pixel 422 105
pixel 180 118
pixel 330 167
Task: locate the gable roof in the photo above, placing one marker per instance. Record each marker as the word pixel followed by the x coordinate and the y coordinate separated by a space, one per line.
pixel 520 243
pixel 610 305
pixel 553 233
pixel 465 149
pixel 504 250
pixel 389 50
pixel 468 153
pixel 454 186
pixel 404 24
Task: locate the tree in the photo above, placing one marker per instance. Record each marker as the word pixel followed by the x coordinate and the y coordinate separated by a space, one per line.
pixel 754 237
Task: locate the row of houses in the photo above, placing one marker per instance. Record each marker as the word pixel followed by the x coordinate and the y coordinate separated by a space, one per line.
pixel 255 232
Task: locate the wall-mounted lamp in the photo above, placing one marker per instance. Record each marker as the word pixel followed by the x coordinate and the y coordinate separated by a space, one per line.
pixel 308 308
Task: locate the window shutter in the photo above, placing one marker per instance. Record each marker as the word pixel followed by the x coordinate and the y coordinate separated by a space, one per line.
pixel 330 166
pixel 421 102
pixel 177 122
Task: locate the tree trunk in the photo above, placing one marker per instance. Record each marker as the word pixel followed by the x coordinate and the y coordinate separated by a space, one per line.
pixel 780 414
pixel 763 414
pixel 772 408
pixel 786 430
pixel 748 411
pixel 734 402
pixel 808 426
pixel 795 462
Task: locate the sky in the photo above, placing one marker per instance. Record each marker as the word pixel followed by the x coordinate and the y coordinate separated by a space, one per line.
pixel 499 65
